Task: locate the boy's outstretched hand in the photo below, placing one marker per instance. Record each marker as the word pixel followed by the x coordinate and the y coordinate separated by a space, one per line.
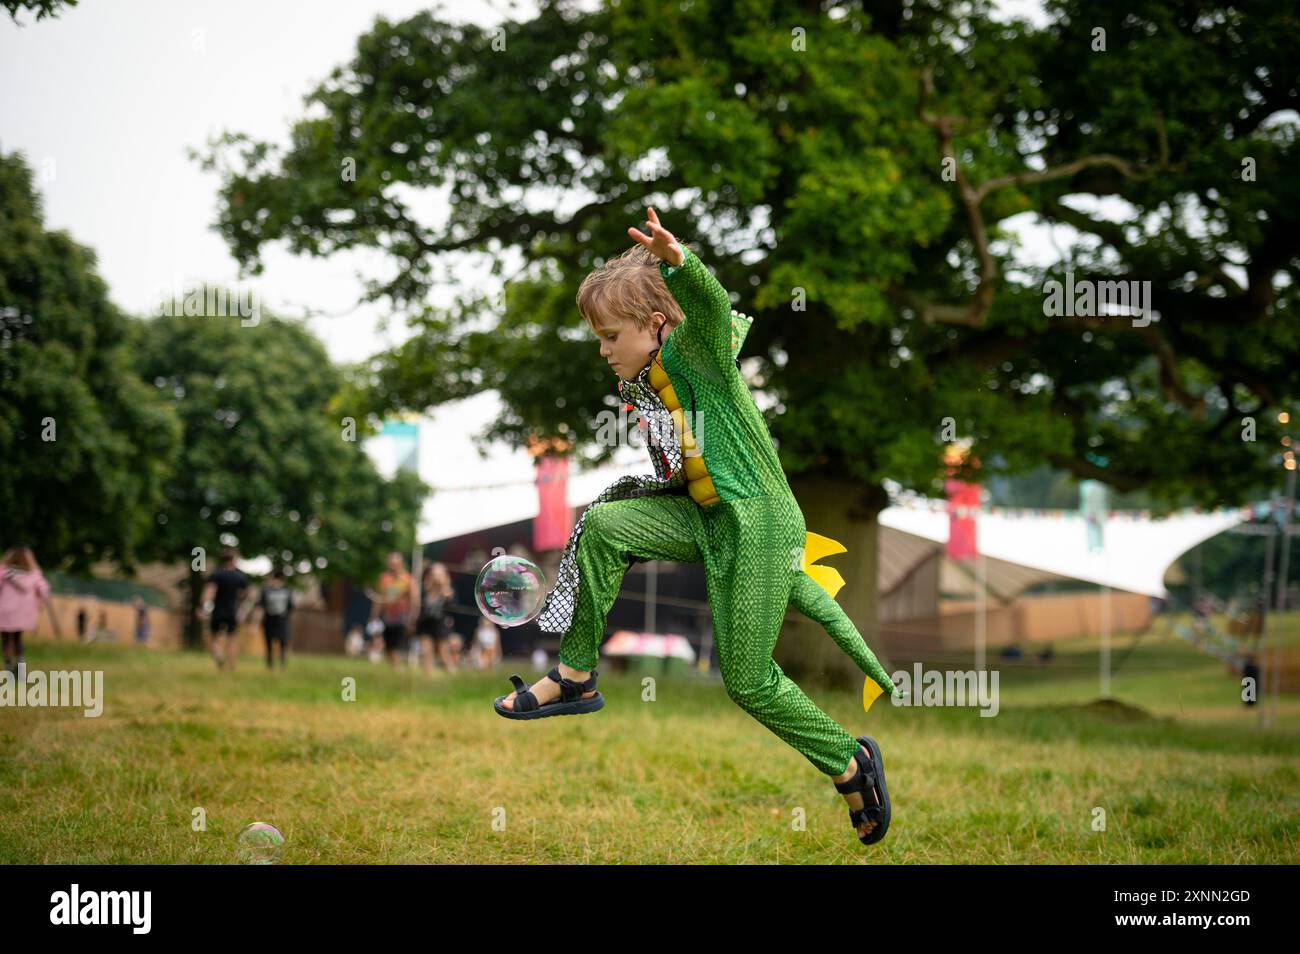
pixel 661 241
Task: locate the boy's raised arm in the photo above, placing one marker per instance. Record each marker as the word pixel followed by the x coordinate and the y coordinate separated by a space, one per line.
pixel 705 305
pixel 706 333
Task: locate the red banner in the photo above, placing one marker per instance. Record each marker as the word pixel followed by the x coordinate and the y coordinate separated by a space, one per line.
pixel 963 505
pixel 554 520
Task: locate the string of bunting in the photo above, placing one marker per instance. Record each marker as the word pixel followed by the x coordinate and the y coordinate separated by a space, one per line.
pixel 938 505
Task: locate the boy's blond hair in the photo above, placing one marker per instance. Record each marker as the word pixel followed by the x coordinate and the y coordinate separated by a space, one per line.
pixel 628 287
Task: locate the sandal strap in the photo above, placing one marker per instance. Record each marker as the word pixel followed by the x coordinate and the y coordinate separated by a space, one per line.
pixel 525 701
pixel 863 781
pixel 852 785
pixel 587 686
pixel 872 813
pixel 570 689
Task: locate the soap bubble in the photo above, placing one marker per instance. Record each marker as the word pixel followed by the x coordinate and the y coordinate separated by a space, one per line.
pixel 260 844
pixel 509 590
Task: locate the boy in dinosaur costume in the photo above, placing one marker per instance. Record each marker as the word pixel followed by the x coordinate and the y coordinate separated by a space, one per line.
pixel 738 517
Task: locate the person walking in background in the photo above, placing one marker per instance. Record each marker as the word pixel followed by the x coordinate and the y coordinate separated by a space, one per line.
pixel 275 605
pixel 23 591
pixel 356 614
pixel 395 605
pixel 433 624
pixel 101 632
pixel 374 637
pixel 487 644
pixel 455 643
pixel 141 620
pixel 222 595
pixel 81 624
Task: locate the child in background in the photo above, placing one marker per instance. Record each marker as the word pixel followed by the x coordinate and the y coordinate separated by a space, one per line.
pixel 394 601
pixel 275 605
pixel 141 621
pixel 23 592
pixel 102 631
pixel 433 625
pixel 487 644
pixel 222 599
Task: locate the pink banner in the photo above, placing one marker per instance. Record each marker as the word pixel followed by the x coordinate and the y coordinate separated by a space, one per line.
pixel 554 520
pixel 963 505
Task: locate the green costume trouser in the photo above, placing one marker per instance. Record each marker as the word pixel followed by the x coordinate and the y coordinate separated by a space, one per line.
pixel 751 550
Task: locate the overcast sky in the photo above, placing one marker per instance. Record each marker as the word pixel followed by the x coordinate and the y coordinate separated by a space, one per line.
pixel 105 99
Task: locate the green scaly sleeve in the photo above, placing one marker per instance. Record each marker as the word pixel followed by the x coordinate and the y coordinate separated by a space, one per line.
pixel 706 330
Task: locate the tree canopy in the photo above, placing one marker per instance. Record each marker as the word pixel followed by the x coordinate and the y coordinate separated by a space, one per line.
pixel 86 445
pixel 131 439
pixel 266 465
pixel 40 9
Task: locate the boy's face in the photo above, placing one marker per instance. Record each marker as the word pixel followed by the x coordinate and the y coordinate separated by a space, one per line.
pixel 626 347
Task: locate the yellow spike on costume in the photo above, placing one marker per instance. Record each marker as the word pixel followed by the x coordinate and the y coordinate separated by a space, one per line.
pixel 827 577
pixel 815 547
pixel 818 546
pixel 870 693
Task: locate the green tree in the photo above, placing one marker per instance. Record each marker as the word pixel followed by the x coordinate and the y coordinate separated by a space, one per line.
pixel 86 446
pixel 41 8
pixel 266 465
pixel 852 175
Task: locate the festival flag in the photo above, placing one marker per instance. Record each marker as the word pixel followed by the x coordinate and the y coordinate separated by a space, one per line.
pixel 554 520
pixel 963 505
pixel 1093 505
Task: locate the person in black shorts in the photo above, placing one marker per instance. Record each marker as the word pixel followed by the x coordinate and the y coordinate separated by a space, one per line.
pixel 394 604
pixel 276 604
pixel 433 624
pixel 221 604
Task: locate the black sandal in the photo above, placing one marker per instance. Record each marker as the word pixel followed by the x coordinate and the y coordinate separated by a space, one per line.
pixel 569 703
pixel 870 778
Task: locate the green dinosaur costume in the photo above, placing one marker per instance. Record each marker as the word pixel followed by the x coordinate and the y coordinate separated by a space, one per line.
pixel 738 517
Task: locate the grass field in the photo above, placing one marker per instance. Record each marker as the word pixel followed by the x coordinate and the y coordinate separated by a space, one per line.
pixel 420 769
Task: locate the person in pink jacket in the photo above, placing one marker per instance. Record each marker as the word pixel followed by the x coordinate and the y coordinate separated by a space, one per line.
pixel 23 591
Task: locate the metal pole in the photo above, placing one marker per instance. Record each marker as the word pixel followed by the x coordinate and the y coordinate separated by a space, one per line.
pixel 1105 641
pixel 1275 671
pixel 651 592
pixel 981 611
pixel 417 574
pixel 417 569
pixel 1263 635
pixel 1196 585
pixel 706 649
